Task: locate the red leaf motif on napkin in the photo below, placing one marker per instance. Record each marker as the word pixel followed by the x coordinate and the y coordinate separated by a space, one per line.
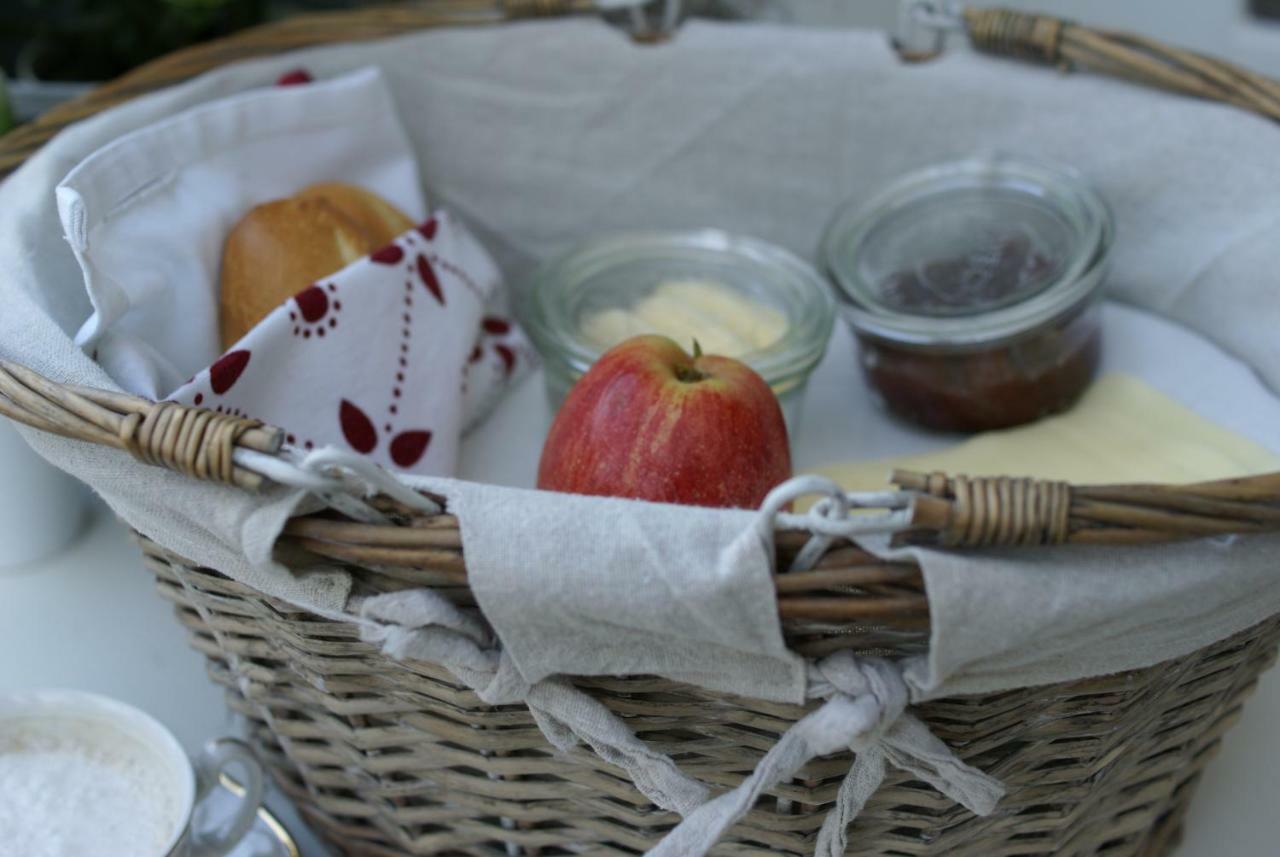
pixel 228 368
pixel 312 302
pixel 407 448
pixel 357 428
pixel 388 255
pixel 428 275
pixel 508 357
pixel 495 325
pixel 428 229
pixel 293 78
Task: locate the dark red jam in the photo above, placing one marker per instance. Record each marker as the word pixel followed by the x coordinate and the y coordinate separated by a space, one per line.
pixel 1040 374
pixel 1008 268
pixel 973 288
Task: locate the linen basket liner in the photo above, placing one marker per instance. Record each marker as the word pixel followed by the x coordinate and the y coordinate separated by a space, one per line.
pixel 1198 249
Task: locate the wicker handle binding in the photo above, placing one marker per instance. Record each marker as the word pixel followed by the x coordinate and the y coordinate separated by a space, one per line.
pixel 194 441
pixel 996 511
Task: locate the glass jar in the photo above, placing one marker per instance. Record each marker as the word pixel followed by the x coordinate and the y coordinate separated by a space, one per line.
pixel 621 270
pixel 972 289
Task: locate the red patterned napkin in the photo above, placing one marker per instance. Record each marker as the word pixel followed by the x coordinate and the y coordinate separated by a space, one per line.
pixel 392 357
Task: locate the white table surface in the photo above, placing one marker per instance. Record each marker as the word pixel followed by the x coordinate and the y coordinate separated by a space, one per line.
pixel 89 618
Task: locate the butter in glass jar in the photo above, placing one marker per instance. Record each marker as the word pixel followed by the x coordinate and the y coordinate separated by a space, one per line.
pixel 737 296
pixel 722 319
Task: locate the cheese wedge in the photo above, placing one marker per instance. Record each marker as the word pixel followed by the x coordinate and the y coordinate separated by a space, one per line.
pixel 1122 430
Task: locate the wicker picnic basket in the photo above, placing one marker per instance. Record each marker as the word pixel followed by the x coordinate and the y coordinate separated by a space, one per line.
pixel 386 757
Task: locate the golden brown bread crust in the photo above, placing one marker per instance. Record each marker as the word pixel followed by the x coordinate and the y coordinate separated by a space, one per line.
pixel 379 219
pixel 281 247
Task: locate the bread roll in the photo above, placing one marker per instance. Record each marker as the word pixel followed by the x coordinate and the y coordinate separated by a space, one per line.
pixel 281 247
pixel 380 220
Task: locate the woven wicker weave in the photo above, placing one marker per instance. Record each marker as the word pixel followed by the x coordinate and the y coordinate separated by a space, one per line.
pixel 396 758
pixel 391 758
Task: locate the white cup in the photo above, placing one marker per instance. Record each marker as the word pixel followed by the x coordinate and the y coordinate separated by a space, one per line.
pixel 50 721
pixel 41 508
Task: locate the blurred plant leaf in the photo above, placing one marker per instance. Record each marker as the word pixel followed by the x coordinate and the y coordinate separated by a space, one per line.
pixel 100 39
pixel 6 111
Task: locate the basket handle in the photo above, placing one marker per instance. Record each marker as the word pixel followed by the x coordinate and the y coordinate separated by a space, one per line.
pixel 1058 42
pixel 194 441
pixel 960 511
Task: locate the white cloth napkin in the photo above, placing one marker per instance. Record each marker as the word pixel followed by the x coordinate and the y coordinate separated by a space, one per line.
pixel 391 357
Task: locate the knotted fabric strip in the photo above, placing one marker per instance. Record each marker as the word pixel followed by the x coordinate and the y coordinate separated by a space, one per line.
pixel 864 712
pixel 421 625
pixel 864 709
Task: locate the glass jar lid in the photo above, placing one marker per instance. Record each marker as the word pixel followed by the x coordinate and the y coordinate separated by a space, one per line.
pixel 967 253
pixel 616 271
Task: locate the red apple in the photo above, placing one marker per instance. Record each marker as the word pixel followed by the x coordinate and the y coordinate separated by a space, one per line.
pixel 649 421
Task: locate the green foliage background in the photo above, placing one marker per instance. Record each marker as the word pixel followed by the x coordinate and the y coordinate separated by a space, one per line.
pixel 100 39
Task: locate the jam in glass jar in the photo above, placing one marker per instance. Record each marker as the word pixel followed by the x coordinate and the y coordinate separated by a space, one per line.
pixel 972 288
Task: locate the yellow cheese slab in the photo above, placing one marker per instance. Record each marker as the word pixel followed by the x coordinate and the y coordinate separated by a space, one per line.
pixel 1122 430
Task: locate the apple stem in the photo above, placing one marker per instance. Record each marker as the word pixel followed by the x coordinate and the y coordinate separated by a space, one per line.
pixel 690 375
